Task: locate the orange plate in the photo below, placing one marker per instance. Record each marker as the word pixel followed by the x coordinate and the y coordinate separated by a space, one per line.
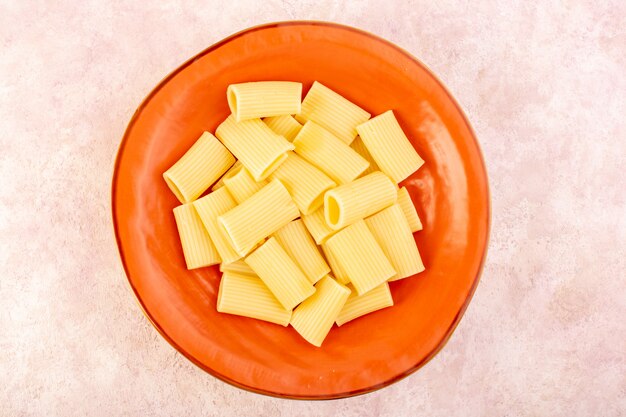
pixel 450 192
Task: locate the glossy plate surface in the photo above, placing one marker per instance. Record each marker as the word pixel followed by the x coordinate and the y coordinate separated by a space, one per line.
pixel 450 192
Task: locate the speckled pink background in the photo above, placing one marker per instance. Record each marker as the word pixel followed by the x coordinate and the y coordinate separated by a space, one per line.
pixel 544 87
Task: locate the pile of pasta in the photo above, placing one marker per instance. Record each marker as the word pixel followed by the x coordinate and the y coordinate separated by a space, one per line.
pixel 304 215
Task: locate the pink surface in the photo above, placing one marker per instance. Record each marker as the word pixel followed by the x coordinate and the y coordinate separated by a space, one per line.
pixel 544 88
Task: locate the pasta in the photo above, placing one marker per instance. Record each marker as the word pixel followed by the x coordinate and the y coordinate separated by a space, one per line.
pixel 241 185
pixel 209 208
pixel 280 273
pixel 338 272
pixel 198 249
pixel 259 216
pixel 360 148
pixel 232 171
pixel 198 168
pixel 314 318
pixel 389 146
pixel 363 260
pixel 258 148
pixel 305 183
pixel 391 230
pixel 360 305
pixel 321 148
pixel 332 111
pixel 237 267
pixel 316 224
pixel 248 296
pixel 299 245
pixel 404 200
pixel 264 98
pixel 362 197
pixel 285 125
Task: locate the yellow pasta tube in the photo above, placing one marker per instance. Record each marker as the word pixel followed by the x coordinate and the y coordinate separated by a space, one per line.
pixel 258 148
pixel 405 202
pixel 259 216
pixel 316 224
pixel 305 183
pixel 314 318
pixel 321 148
pixel 198 249
pixel 360 305
pixel 338 272
pixel 237 267
pixel 391 230
pixel 286 126
pixel 241 185
pixel 232 171
pixel 389 146
pixel 280 273
pixel 361 257
pixel 362 197
pixel 198 168
pixel 360 148
pixel 263 99
pixel 248 296
pixel 209 208
pixel 299 245
pixel 332 111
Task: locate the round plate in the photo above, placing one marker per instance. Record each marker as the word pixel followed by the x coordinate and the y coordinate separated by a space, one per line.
pixel 450 192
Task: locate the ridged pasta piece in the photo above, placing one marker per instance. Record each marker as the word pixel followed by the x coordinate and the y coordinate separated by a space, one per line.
pixel 361 149
pixel 209 208
pixel 316 224
pixel 314 318
pixel 391 230
pixel 241 185
pixel 198 168
pixel 198 249
pixel 389 146
pixel 360 305
pixel 337 271
pixel 305 182
pixel 264 99
pixel 286 126
pixel 322 149
pixel 248 296
pixel 237 267
pixel 358 253
pixel 258 148
pixel 332 111
pixel 354 201
pixel 299 245
pixel 232 171
pixel 405 202
pixel 280 273
pixel 259 216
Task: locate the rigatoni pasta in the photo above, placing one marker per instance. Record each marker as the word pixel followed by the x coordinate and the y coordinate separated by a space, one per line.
pixel 338 272
pixel 248 296
pixel 389 146
pixel 316 224
pixel 233 170
pixel 299 245
pixel 241 185
pixel 391 230
pixel 362 197
pixel 259 216
pixel 280 273
pixel 361 149
pixel 238 267
pixel 198 249
pixel 263 99
pixel 404 200
pixel 258 148
pixel 322 149
pixel 286 126
pixel 332 111
pixel 314 318
pixel 198 168
pixel 305 183
pixel 360 305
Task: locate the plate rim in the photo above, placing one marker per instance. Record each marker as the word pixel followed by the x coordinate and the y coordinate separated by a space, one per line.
pixel 191 358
